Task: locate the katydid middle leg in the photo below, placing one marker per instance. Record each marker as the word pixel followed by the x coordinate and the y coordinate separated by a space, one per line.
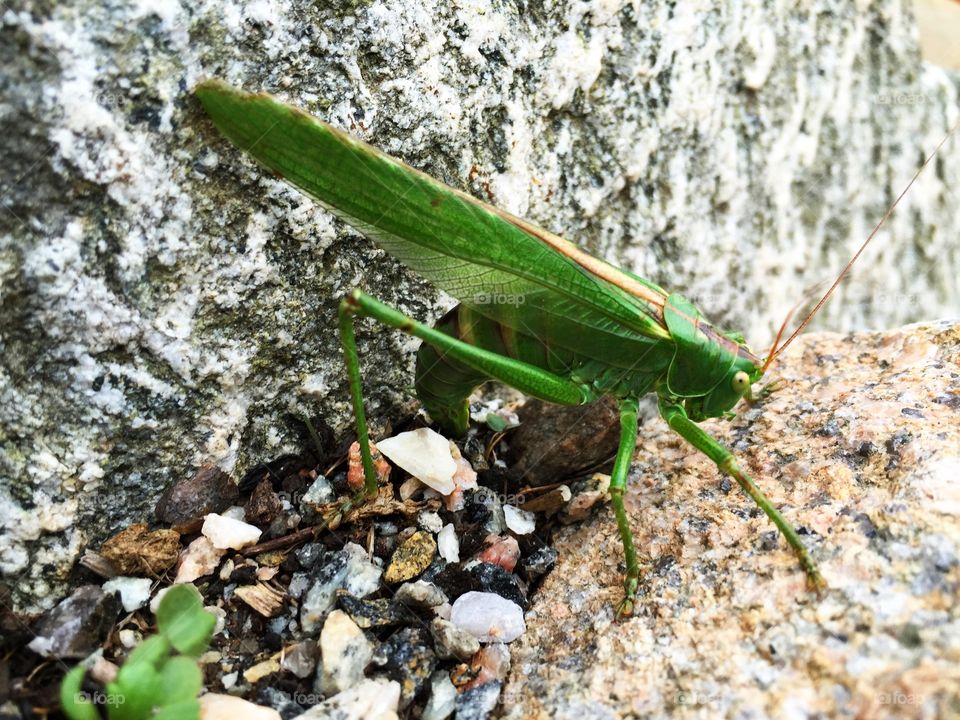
pixel 618 485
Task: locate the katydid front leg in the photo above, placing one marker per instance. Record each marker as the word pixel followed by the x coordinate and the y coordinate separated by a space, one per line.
pixel 677 419
pixel 527 378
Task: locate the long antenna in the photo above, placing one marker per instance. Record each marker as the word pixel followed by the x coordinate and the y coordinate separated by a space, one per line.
pixel 775 351
pixel 807 297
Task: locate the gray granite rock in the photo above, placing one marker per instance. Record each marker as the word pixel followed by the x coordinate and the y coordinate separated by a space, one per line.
pixel 443 697
pixel 348 569
pixel 165 304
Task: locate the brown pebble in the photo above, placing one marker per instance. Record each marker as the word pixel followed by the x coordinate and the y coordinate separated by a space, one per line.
pixel 550 502
pixel 554 442
pixel 206 491
pixel 77 625
pixel 263 506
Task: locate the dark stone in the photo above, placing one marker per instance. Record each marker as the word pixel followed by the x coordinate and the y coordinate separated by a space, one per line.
pixel 330 569
pixel 406 656
pixel 373 613
pixel 244 575
pixel 272 641
pixel 538 564
pixel 263 506
pixel 454 580
pixel 283 467
pixel 309 554
pixel 77 626
pixel 451 578
pixel 290 564
pixel 554 442
pixel 483 511
pixel 280 701
pixel 209 490
pixel 478 702
pixel 487 577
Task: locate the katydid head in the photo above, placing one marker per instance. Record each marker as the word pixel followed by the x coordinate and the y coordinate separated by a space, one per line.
pixel 711 370
pixel 735 385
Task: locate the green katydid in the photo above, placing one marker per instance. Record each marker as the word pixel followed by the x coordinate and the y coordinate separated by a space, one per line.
pixel 585 329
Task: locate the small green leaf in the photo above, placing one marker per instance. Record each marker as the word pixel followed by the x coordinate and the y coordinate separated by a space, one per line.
pixel 75 704
pixel 183 621
pixel 182 680
pixel 135 693
pixel 152 651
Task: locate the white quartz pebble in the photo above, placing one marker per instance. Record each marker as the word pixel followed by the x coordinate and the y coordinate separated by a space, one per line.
pixel 425 454
pixel 344 651
pixel 430 521
pixel 443 697
pixel 214 706
pixel 199 559
pixel 520 522
pixel 448 544
pixel 224 532
pixel 134 592
pixel 367 700
pixel 488 617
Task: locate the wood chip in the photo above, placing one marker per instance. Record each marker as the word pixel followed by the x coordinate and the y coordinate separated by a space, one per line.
pixel 259 671
pixel 550 502
pixel 99 564
pixel 261 597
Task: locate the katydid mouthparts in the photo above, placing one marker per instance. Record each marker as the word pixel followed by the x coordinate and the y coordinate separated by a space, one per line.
pixel 584 329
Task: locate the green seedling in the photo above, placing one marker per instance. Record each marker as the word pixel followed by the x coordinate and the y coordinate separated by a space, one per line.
pixel 161 678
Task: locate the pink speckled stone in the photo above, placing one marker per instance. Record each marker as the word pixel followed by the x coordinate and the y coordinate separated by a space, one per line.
pixel 860 449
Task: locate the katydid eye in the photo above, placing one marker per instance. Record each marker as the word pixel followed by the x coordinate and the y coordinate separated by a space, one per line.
pixel 741 381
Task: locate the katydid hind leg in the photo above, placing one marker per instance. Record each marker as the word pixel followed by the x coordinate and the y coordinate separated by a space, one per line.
pixel 678 421
pixel 527 378
pixel 618 485
pixel 351 358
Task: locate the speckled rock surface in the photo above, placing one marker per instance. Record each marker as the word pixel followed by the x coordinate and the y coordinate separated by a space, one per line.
pixel 166 305
pixel 860 448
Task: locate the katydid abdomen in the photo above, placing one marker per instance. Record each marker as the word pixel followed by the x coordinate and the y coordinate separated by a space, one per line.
pixel 444 384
